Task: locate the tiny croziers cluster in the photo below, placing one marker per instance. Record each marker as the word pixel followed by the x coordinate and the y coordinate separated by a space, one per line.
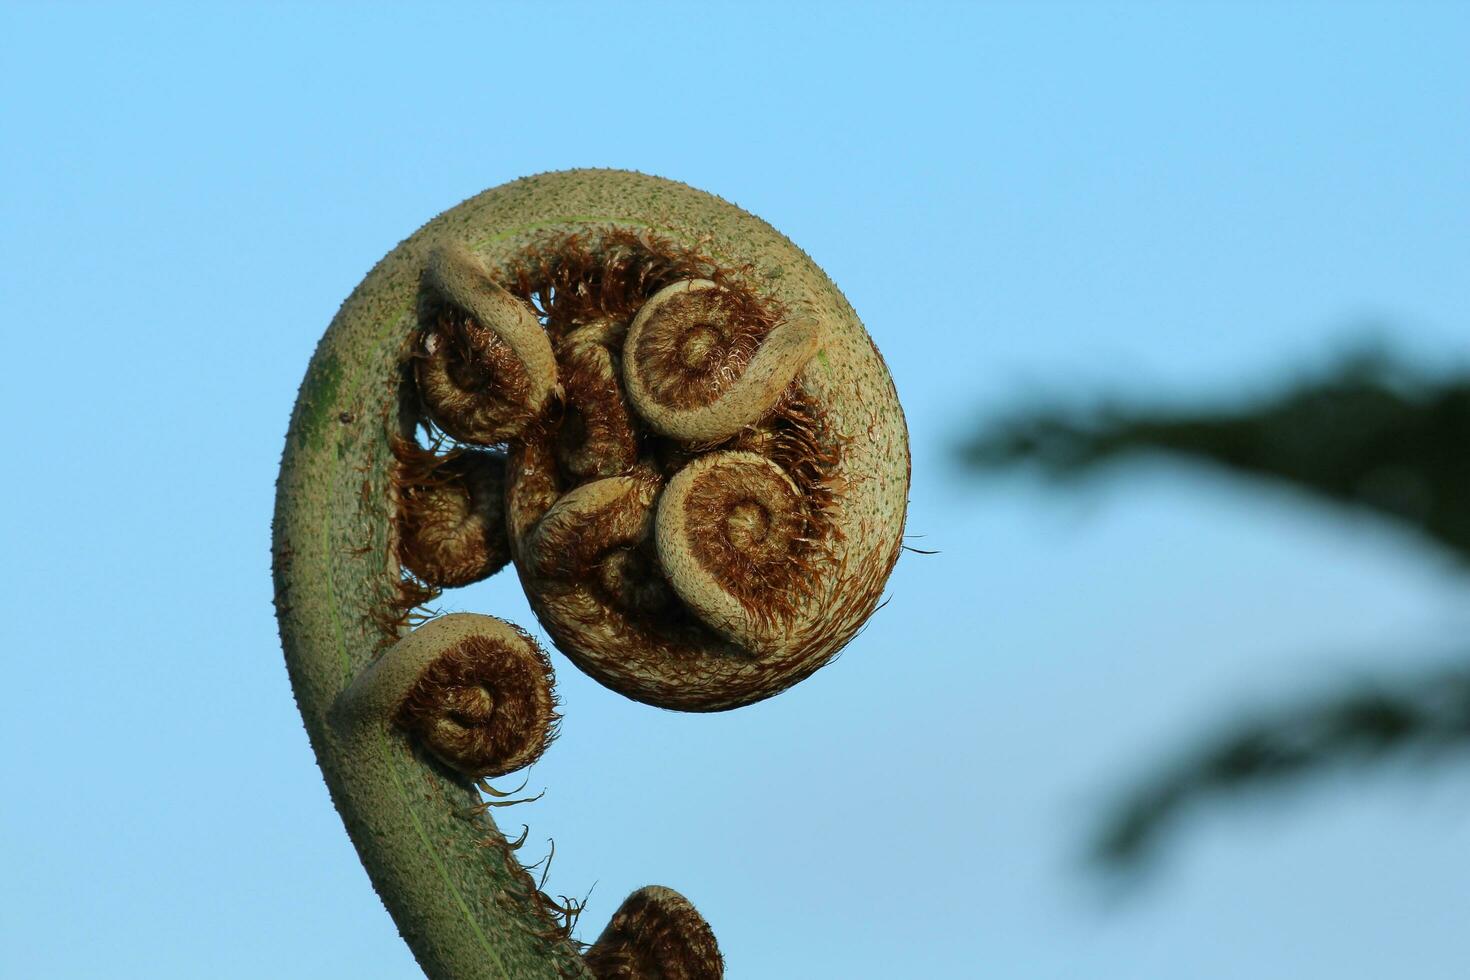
pixel 625 427
pixel 621 420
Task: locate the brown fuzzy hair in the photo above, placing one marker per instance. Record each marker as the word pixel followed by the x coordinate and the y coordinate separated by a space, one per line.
pixel 656 932
pixel 571 280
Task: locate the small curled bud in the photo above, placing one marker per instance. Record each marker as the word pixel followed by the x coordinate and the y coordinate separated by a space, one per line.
pixel 731 537
pixel 451 519
pixel 587 522
pixel 485 368
pixel 656 932
pixel 596 438
pixel 474 690
pixel 700 364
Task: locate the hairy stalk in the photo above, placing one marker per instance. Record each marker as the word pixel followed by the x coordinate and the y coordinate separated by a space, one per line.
pixel 703 485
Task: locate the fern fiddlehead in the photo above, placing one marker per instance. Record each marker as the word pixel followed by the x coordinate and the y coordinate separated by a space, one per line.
pixel 671 423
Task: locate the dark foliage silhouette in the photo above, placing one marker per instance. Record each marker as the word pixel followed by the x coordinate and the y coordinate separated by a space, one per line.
pixel 1372 436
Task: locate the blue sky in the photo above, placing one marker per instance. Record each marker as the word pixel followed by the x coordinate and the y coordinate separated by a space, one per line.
pixel 1187 200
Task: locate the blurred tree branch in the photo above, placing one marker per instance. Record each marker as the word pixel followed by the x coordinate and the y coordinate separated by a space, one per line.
pixel 1370 435
pixel 1367 724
